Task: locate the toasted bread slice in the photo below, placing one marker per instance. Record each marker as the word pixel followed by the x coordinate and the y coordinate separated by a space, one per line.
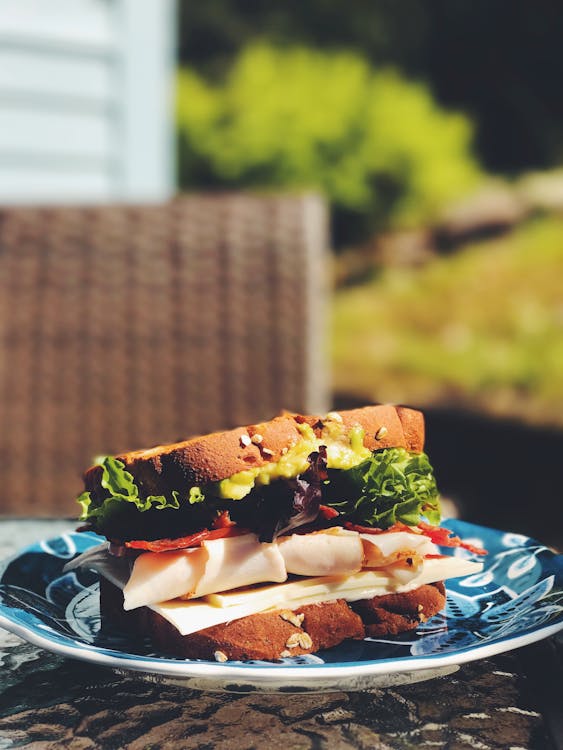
pixel 394 613
pixel 274 634
pixel 213 457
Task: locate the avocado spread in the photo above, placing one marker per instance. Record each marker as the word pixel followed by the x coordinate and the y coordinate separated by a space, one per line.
pixel 344 451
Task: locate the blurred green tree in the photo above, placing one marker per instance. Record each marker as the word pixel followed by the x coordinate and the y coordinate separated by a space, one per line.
pixel 381 149
pixel 501 61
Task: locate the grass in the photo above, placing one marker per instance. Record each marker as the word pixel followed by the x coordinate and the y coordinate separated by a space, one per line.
pixel 481 329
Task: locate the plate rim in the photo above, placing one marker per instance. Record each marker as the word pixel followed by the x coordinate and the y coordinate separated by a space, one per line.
pixel 265 673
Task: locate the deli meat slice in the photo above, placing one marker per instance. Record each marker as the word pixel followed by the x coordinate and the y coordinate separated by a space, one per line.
pixel 334 552
pixel 218 565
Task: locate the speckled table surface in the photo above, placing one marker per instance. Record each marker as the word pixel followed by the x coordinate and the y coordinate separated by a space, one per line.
pixel 514 700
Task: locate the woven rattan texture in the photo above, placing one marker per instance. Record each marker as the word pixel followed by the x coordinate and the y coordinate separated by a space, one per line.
pixel 125 327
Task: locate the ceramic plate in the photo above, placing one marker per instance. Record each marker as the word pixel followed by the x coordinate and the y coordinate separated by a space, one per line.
pixel 517 599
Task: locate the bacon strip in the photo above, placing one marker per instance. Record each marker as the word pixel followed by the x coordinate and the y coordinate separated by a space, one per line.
pixel 224 527
pixel 442 537
pixel 183 542
pixel 223 520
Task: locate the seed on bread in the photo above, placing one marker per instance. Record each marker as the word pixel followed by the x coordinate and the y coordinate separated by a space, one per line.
pixel 245 440
pixel 335 416
pixel 293 641
pixel 302 639
pixel 220 656
pixel 381 432
pixel 267 452
pixel 285 653
pixel 292 617
pixel 257 438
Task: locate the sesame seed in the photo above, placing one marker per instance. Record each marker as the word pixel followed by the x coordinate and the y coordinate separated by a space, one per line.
pixel 245 440
pixel 257 438
pixel 220 656
pixel 285 653
pixel 305 640
pixel 334 415
pixel 381 433
pixel 267 452
pixel 284 451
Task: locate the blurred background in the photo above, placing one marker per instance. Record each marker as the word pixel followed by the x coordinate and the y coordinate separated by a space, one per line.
pixel 431 132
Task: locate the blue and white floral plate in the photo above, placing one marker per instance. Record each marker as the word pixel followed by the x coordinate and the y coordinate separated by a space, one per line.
pixel 517 599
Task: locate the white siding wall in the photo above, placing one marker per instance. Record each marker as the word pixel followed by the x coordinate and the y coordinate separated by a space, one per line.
pixel 85 100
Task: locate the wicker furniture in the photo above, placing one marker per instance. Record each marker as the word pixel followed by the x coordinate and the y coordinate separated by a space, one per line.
pixel 124 327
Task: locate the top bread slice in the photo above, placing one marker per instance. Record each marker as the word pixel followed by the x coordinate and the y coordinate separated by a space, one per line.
pixel 219 455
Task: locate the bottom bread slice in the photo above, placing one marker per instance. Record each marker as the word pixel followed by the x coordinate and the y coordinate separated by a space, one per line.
pixel 282 632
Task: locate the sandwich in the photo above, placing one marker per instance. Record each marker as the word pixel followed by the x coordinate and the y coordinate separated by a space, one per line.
pixel 275 539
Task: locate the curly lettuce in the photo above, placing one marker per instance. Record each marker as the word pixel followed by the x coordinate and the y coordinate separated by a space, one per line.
pixel 390 486
pixel 121 488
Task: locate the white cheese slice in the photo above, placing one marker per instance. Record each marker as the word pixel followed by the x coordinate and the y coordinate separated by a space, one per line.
pixel 190 616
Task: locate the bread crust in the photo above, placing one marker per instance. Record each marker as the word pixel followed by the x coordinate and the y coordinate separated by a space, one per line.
pixel 395 613
pixel 213 457
pixel 272 635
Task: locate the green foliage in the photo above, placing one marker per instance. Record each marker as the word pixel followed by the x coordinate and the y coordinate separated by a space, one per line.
pixel 452 45
pixel 483 328
pixel 377 145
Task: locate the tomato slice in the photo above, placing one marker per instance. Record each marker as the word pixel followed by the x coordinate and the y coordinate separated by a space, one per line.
pixel 183 542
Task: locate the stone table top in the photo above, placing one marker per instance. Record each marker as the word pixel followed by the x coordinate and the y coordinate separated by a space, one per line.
pixel 514 700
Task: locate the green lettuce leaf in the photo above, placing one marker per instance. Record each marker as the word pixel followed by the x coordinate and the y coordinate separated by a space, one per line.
pixel 121 488
pixel 391 486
